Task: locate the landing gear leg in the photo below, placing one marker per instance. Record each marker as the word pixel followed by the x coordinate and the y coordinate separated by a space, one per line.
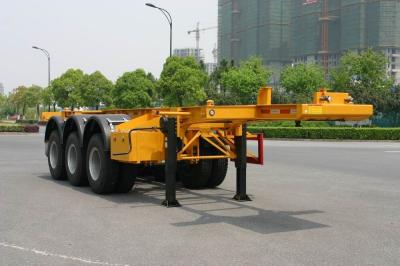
pixel 168 126
pixel 241 165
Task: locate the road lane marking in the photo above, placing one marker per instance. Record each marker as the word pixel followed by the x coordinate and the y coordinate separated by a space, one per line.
pixel 48 254
pixel 392 151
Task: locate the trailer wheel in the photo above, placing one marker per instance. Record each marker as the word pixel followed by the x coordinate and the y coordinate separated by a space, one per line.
pixel 102 172
pixel 75 162
pixel 218 173
pixel 195 176
pixel 55 157
pixel 127 178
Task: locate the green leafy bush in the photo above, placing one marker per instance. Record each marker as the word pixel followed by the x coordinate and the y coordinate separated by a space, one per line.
pixel 329 133
pixel 26 121
pixel 292 124
pixel 11 128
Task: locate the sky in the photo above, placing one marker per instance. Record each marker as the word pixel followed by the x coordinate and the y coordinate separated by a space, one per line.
pixel 110 36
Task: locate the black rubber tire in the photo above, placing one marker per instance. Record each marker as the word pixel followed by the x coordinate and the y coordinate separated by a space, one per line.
pixel 78 177
pixel 218 172
pixel 158 172
pixel 127 178
pixel 55 158
pixel 104 177
pixel 195 176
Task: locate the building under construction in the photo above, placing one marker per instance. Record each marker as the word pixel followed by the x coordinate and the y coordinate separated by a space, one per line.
pixel 312 31
pixel 254 27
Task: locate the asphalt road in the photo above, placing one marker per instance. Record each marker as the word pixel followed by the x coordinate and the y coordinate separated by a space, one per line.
pixel 314 203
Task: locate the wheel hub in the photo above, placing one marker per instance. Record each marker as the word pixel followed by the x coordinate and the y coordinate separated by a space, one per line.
pixel 72 159
pixel 94 164
pixel 53 155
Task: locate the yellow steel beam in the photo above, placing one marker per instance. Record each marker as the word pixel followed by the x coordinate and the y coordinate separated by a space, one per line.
pixel 134 142
pixel 189 144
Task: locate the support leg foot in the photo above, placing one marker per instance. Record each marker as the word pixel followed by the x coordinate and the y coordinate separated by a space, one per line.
pixel 241 198
pixel 171 204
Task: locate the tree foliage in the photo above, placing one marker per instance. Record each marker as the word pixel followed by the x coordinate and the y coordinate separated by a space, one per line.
pixel 243 83
pixel 302 80
pixel 133 89
pixel 19 99
pixel 364 76
pixel 3 100
pixel 47 97
pixel 182 82
pixel 95 89
pixel 214 89
pixel 34 98
pixel 66 88
pixel 23 97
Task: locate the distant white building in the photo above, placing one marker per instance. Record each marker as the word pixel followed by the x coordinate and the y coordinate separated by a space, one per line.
pixel 1 89
pixel 186 52
pixel 210 67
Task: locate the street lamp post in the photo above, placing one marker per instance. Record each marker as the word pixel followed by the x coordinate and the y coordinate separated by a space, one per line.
pixel 169 18
pixel 48 60
pixel 48 69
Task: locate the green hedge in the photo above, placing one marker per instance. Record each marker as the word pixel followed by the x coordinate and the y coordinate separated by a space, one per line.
pixel 291 124
pixel 26 121
pixel 329 133
pixel 11 128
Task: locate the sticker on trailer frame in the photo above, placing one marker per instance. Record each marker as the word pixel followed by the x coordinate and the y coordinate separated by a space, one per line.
pixel 275 111
pixel 315 110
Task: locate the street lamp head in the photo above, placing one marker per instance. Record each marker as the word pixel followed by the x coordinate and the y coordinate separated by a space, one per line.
pixel 151 5
pixel 35 47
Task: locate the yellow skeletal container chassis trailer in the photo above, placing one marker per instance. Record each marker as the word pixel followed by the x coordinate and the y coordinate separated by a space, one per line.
pixel 108 149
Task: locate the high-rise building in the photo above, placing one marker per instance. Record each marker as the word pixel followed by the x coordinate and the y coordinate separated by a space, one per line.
pixel 350 25
pixel 185 52
pixel 254 27
pixel 319 31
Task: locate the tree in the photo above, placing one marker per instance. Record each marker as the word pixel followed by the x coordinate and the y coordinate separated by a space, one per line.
pixel 302 80
pixel 3 100
pixel 243 83
pixel 364 76
pixel 47 97
pixel 95 89
pixel 66 88
pixel 133 89
pixel 33 95
pixel 19 99
pixel 214 89
pixel 182 82
pixel 6 107
pixel 3 103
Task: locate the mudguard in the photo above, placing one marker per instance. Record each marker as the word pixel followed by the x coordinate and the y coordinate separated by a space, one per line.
pixel 75 123
pixel 102 124
pixel 54 123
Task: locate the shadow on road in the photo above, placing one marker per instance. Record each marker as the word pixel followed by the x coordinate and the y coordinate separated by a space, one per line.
pixel 209 206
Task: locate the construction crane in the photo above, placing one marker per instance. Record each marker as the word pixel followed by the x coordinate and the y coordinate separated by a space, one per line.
pixel 197 31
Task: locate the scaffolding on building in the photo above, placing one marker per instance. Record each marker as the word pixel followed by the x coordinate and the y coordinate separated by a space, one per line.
pixel 308 31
